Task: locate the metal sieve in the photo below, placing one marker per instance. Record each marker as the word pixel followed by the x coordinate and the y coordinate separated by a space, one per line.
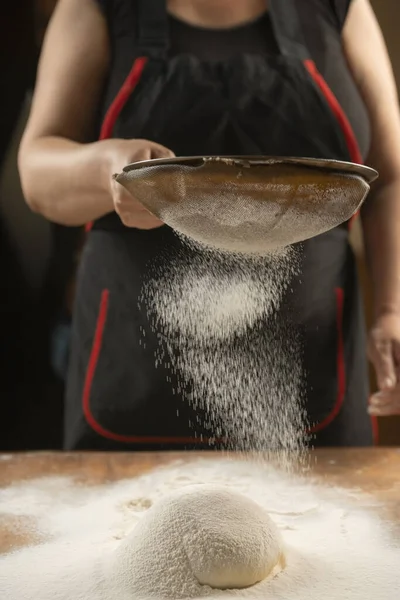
pixel 249 204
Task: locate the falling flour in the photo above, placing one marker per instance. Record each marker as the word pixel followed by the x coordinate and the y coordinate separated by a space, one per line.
pixel 232 353
pixel 335 545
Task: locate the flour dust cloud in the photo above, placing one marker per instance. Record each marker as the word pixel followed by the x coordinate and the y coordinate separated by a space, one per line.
pixel 233 354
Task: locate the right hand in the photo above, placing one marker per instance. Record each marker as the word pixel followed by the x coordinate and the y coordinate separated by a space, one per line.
pixel 120 153
pixel 384 352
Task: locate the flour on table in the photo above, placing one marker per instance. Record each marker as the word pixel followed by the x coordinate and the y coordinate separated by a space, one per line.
pixel 335 546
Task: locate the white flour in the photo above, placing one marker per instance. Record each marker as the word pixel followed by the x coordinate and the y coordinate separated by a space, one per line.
pixel 336 548
pixel 205 535
pixel 235 357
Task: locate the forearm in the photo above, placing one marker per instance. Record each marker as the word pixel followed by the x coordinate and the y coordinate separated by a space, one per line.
pixel 381 226
pixel 65 181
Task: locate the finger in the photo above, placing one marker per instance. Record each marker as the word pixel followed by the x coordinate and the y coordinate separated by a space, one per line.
pixel 156 224
pixel 389 410
pixel 139 220
pixel 383 360
pixel 147 224
pixel 127 205
pixel 158 151
pixel 124 200
pixel 131 212
pixel 381 399
pixel 385 403
pixel 144 153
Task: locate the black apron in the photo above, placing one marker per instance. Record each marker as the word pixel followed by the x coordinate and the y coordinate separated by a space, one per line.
pixel 254 105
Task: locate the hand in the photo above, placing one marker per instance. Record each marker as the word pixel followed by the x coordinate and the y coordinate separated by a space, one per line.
pixel 120 153
pixel 384 353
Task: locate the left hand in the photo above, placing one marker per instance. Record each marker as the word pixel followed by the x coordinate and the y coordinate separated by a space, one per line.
pixel 384 353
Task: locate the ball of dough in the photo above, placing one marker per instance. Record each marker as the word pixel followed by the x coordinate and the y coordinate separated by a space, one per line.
pixel 201 535
pixel 234 543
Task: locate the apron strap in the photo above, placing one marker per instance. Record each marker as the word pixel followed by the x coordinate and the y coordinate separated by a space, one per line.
pixel 287 29
pixel 152 32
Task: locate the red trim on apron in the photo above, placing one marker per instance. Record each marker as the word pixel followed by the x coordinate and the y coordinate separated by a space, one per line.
pixel 356 157
pixel 337 110
pixel 375 430
pixel 122 97
pixel 340 366
pixel 119 102
pixel 351 141
pixel 90 373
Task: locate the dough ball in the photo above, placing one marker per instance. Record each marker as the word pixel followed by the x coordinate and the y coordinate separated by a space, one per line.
pixel 198 536
pixel 234 543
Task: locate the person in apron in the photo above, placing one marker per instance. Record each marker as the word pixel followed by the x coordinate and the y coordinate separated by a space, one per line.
pixel 247 105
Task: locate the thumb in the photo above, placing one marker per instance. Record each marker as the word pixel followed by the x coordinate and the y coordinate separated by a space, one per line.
pixel 383 361
pixel 158 151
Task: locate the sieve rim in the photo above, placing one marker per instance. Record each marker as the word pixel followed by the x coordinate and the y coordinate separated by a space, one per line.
pixel 367 173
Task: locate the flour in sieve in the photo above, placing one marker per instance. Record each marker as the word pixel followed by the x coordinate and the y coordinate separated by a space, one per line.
pixel 335 544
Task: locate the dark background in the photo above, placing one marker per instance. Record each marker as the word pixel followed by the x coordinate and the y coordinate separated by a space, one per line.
pixel 31 394
pixel 37 259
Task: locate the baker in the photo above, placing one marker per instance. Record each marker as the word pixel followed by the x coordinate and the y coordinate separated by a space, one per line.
pixel 152 79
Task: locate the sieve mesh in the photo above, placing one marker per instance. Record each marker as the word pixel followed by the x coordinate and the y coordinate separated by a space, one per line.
pixel 244 206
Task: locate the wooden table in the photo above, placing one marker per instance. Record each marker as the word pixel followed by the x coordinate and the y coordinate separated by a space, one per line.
pixel 375 471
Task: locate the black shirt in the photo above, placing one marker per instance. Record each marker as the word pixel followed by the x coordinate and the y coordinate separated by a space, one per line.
pixel 322 22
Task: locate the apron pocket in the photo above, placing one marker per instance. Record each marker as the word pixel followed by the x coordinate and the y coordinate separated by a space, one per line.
pixel 125 398
pixel 328 389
